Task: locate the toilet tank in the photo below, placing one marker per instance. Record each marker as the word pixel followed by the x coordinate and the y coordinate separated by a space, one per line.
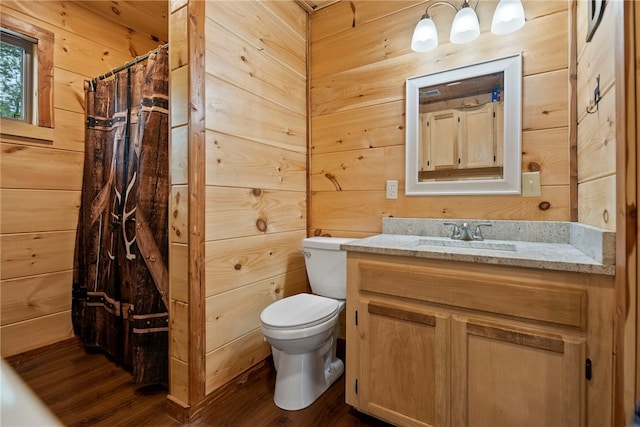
pixel 326 265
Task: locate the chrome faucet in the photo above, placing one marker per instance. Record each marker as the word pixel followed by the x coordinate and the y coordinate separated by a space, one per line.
pixel 464 232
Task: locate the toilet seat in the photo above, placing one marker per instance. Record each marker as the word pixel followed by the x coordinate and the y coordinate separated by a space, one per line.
pixel 299 312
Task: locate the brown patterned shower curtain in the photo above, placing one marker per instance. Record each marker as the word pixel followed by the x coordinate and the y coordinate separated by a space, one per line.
pixel 120 282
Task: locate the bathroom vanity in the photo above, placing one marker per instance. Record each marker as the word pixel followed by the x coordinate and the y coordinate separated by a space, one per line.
pixel 500 332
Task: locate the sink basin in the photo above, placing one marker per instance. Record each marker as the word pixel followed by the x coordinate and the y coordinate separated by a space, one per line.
pixel 474 244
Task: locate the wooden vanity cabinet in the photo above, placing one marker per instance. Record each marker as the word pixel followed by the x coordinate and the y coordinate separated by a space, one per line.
pixel 444 343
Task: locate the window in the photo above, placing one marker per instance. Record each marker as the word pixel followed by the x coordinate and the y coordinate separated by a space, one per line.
pixel 28 52
pixel 16 76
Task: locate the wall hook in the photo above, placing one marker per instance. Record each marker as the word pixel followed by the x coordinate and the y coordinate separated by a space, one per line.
pixel 593 106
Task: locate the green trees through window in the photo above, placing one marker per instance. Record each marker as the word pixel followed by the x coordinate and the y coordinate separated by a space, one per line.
pixel 17 94
pixel 11 81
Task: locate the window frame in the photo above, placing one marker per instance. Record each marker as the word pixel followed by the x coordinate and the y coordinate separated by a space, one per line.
pixel 44 68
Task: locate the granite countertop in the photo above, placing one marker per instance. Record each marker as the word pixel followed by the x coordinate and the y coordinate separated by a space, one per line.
pixel 556 245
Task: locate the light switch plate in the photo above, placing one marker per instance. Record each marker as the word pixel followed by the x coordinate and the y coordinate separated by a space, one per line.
pixel 392 189
pixel 530 184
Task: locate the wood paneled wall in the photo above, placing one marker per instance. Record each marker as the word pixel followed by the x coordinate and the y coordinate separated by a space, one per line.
pixel 360 58
pixel 256 148
pixel 41 181
pixel 185 354
pixel 597 132
pixel 239 179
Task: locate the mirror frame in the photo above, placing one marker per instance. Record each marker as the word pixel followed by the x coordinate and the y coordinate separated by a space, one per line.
pixel 510 182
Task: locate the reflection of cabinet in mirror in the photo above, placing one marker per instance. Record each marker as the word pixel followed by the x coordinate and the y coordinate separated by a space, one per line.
pixel 464 142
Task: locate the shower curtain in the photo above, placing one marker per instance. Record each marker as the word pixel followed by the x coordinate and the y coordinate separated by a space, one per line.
pixel 120 281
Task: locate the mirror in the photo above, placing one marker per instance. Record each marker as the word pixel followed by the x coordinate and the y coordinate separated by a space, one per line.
pixel 463 130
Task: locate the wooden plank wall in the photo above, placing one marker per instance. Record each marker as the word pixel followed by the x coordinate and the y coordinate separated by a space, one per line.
pixel 179 230
pixel 360 58
pixel 255 200
pixel 40 182
pixel 597 132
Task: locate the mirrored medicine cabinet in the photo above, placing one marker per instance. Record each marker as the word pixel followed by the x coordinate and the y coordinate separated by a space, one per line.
pixel 463 130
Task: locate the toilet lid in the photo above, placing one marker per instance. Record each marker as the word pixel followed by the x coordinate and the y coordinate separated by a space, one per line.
pixel 299 311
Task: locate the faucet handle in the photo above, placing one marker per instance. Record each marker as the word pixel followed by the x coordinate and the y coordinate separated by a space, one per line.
pixel 455 232
pixel 478 233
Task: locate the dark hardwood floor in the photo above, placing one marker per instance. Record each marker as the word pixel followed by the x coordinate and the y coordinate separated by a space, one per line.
pixel 85 388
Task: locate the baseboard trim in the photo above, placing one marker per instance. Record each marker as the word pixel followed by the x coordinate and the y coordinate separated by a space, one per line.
pixel 185 414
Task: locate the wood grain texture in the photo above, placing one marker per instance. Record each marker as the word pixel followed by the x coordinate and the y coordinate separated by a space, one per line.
pixel 149 18
pixel 31 297
pixel 595 59
pixel 362 211
pixel 597 141
pixel 255 169
pixel 179 337
pixel 179 386
pixel 179 96
pixel 384 31
pixel 546 151
pixel 235 313
pixel 34 333
pixel 484 357
pixel 404 394
pixel 40 187
pixel 549 397
pixel 369 127
pixel 69 89
pixel 597 202
pixel 179 214
pixel 179 155
pixel 30 254
pixel 241 212
pixel 73 47
pixel 280 41
pixel 69 131
pixel 233 263
pixel 107 398
pixel 546 104
pixel 178 38
pixel 357 107
pixel 246 115
pixel 241 64
pixel 486 292
pixel 25 211
pixel 196 116
pixel 238 162
pixel 401 314
pixel 29 167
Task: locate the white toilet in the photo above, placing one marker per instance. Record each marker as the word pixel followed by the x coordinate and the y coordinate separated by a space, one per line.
pixel 303 329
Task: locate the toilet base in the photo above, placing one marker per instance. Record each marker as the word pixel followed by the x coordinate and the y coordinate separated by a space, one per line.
pixel 300 381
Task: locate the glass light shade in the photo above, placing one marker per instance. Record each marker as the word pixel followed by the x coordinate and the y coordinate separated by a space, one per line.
pixel 425 36
pixel 465 26
pixel 508 17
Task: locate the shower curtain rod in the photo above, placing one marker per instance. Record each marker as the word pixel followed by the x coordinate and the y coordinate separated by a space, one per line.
pixel 128 64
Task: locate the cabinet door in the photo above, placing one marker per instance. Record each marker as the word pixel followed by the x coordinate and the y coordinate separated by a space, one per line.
pixel 503 376
pixel 443 140
pixel 404 364
pixel 478 138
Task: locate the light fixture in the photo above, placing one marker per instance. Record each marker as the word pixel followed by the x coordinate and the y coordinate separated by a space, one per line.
pixel 425 36
pixel 508 17
pixel 465 26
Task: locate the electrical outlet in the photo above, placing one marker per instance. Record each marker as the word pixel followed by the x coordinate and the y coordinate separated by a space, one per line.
pixel 530 184
pixel 392 189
